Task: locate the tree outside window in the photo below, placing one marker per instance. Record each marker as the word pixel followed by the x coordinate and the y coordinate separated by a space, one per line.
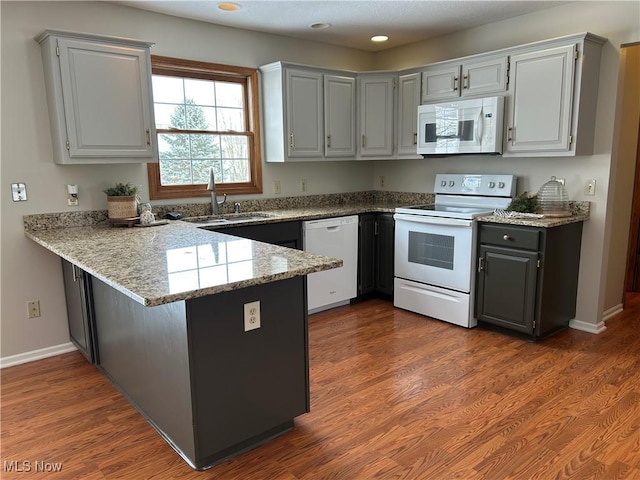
pixel 204 120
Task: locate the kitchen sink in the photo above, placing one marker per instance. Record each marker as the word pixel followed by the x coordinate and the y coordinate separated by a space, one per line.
pixel 227 219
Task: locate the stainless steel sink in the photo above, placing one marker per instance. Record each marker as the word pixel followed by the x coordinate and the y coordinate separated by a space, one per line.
pixel 227 219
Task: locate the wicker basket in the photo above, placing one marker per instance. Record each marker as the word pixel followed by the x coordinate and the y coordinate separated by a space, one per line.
pixel 122 207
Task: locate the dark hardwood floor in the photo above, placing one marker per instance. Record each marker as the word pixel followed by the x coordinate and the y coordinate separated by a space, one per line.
pixel 393 396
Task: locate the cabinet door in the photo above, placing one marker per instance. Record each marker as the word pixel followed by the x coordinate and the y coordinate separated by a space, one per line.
pixel 440 83
pixel 385 244
pixel 506 289
pixel 408 101
pixel 107 100
pixel 541 101
pixel 484 77
pixel 340 116
pixel 376 115
pixel 366 254
pixel 304 114
pixel 79 309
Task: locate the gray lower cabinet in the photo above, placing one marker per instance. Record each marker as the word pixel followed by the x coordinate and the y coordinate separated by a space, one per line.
pixel 77 287
pixel 209 387
pixel 527 278
pixel 375 254
pixel 285 234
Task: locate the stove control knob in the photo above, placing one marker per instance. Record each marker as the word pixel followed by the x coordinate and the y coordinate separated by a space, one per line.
pixel 443 183
pixel 451 183
pixel 501 185
pixel 492 184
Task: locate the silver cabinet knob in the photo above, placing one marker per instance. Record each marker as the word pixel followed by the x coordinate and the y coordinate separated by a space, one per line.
pixel 443 183
pixel 492 184
pixel 451 183
pixel 501 185
pixel 506 237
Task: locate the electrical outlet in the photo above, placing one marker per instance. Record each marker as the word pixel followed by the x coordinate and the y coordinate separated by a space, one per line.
pixel 276 187
pixel 251 315
pixel 72 195
pixel 303 185
pixel 381 181
pixel 590 187
pixel 33 308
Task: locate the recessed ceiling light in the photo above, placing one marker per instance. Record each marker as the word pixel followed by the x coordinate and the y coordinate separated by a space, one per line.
pixel 379 38
pixel 320 26
pixel 228 7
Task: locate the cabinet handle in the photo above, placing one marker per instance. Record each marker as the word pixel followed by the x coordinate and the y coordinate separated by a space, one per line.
pixel 74 271
pixel 415 138
pixel 455 84
pixel 480 264
pixel 465 82
pixel 329 141
pixel 506 237
pixel 291 142
pixel 148 137
pixel 510 134
pixel 364 144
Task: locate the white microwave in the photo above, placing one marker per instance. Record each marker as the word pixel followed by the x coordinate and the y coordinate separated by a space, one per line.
pixel 462 126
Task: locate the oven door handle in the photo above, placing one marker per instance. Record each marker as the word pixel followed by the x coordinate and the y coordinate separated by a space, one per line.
pixel 449 222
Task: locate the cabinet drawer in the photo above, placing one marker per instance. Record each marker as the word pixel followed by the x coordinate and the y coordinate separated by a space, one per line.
pixel 508 236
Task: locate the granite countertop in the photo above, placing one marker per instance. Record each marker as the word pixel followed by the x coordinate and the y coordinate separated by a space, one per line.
pixel 178 260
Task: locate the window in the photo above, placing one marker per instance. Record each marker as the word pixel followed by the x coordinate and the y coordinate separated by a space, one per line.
pixel 206 116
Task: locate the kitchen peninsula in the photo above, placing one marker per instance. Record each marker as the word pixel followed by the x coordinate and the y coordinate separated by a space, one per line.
pixel 205 333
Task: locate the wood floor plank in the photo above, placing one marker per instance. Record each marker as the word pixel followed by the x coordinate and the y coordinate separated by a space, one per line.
pixel 394 395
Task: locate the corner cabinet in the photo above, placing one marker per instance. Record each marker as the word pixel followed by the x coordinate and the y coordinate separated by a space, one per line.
pixel 309 114
pixel 376 114
pixel 99 97
pixel 376 240
pixel 527 278
pixel 551 106
pixel 407 125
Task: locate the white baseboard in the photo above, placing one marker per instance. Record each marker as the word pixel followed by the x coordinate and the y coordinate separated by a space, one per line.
pixel 26 357
pixel 587 327
pixel 610 312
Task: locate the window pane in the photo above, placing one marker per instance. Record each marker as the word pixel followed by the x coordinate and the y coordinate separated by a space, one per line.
pixel 235 171
pixel 174 146
pixel 175 172
pixel 205 146
pixel 230 119
pixel 170 116
pixel 229 95
pixel 199 91
pixel 201 169
pixel 167 89
pixel 201 118
pixel 233 146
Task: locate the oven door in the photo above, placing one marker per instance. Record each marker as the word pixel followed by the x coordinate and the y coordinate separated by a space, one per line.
pixel 434 250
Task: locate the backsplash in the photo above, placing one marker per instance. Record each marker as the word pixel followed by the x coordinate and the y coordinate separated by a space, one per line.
pixel 94 217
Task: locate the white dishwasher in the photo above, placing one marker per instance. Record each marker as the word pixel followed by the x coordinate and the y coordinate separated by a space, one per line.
pixel 338 238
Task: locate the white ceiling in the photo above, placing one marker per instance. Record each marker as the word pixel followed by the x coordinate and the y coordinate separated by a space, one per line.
pixel 354 22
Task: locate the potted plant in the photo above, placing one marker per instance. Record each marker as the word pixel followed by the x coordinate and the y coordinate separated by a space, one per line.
pixel 122 201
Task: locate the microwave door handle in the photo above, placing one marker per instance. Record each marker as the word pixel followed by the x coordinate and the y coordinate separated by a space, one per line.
pixel 479 130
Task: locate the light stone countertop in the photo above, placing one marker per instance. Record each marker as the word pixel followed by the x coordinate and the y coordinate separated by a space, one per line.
pixel 178 261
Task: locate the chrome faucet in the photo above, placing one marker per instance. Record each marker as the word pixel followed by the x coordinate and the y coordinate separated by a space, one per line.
pixel 215 204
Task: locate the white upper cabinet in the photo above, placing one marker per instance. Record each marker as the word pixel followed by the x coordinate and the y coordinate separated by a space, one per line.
pixel 407 123
pixel 304 113
pixel 99 97
pixel 340 116
pixel 308 113
pixel 550 107
pixel 376 115
pixel 482 76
